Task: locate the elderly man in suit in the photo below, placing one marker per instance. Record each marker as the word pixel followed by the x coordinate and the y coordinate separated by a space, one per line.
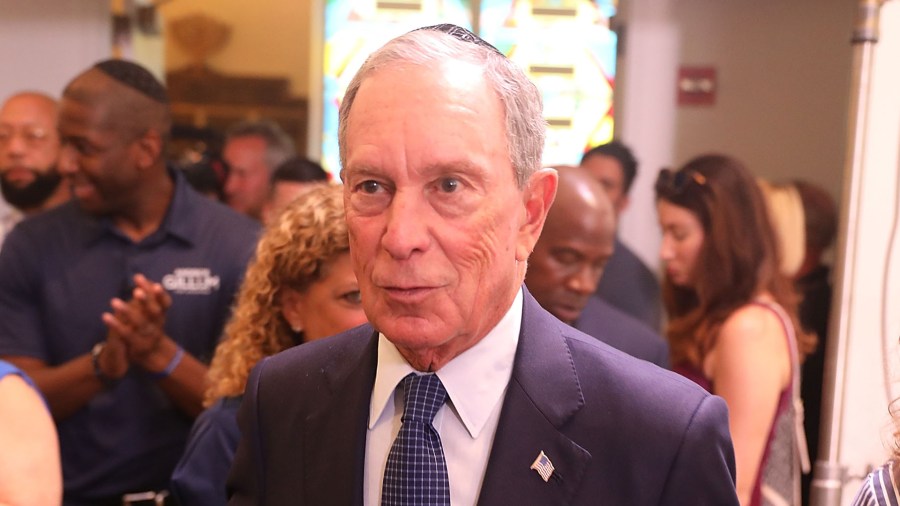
pixel 569 259
pixel 463 389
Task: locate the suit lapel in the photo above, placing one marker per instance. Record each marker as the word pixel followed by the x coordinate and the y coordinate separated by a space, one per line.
pixel 543 394
pixel 335 435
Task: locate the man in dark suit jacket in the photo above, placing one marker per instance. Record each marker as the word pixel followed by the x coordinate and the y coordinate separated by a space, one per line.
pixel 627 282
pixel 570 258
pixel 617 429
pixel 441 139
pixel 620 330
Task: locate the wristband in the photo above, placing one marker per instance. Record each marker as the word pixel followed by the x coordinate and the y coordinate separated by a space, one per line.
pixel 179 354
pixel 98 372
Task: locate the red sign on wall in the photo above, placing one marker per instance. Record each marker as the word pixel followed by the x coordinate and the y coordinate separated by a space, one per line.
pixel 697 86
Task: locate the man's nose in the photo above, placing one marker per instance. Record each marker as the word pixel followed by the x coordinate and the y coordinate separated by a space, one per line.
pixel 15 145
pixel 407 228
pixel 584 280
pixel 67 165
pixel 665 249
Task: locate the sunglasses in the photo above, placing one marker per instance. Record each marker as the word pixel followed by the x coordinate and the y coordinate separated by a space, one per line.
pixel 672 182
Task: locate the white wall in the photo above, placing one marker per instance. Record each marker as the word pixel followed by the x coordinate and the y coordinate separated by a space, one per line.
pixel 872 284
pixel 783 70
pixel 645 101
pixel 45 43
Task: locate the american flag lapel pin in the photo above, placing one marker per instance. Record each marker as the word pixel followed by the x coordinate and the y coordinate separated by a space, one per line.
pixel 543 466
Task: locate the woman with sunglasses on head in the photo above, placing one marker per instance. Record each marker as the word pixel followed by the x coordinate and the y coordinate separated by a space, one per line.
pixel 732 318
pixel 300 287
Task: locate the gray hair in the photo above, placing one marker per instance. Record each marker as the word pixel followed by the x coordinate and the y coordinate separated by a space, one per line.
pixel 279 145
pixel 525 125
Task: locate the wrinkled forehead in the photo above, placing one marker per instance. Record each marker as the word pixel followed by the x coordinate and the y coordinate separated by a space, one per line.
pixel 449 73
pixel 403 88
pixel 437 110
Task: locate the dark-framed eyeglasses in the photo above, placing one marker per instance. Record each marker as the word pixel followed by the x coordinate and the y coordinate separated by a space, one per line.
pixel 675 182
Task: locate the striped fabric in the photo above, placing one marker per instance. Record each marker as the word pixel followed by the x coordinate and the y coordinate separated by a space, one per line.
pixel 879 489
pixel 416 472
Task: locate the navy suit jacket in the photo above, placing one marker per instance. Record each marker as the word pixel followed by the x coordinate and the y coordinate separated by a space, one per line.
pixel 623 332
pixel 619 430
pixel 631 286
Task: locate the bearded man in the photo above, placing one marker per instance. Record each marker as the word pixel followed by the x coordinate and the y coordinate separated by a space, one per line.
pixel 29 150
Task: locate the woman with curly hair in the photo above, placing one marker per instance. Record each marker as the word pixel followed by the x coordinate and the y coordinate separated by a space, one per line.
pixel 732 318
pixel 299 287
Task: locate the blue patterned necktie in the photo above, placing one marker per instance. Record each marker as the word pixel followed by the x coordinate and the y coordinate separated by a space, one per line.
pixel 416 472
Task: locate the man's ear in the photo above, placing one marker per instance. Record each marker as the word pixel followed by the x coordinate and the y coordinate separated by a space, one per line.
pixel 539 194
pixel 622 204
pixel 150 147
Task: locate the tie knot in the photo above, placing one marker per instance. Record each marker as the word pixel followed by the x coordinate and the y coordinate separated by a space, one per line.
pixel 423 396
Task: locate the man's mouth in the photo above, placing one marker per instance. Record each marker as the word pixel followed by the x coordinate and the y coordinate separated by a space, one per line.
pixel 18 176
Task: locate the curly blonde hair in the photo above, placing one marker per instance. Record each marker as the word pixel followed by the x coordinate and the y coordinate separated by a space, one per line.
pixel 293 252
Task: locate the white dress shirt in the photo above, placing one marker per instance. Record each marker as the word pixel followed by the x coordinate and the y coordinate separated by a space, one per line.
pixel 9 218
pixel 475 381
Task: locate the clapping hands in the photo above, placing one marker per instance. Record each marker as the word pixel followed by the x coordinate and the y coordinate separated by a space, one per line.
pixel 136 330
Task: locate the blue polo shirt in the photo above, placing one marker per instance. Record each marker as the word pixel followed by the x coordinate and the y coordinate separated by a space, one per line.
pixel 58 272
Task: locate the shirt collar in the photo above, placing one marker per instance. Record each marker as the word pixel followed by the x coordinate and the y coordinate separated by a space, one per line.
pixel 174 222
pixel 474 396
pixel 183 205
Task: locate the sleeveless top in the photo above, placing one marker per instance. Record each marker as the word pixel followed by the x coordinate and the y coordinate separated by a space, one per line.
pixel 785 454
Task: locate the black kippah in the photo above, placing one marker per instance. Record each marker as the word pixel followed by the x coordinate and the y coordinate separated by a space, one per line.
pixel 135 77
pixel 460 33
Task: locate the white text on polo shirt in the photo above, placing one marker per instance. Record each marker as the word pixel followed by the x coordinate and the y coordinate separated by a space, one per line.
pixel 192 281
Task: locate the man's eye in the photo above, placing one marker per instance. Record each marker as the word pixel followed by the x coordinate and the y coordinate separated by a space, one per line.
pixel 81 147
pixel 449 185
pixel 370 186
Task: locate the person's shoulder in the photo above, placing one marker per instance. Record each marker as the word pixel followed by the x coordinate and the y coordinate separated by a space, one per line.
pixel 596 358
pixel 50 237
pixel 50 223
pixel 603 314
pixel 749 325
pixel 877 489
pixel 18 394
pixel 217 422
pixel 752 340
pixel 334 353
pixel 217 214
pixel 214 227
pixel 8 369
pixel 656 403
pixel 223 410
pixel 623 331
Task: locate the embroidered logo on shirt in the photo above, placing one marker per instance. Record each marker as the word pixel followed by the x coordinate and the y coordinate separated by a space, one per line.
pixel 191 281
